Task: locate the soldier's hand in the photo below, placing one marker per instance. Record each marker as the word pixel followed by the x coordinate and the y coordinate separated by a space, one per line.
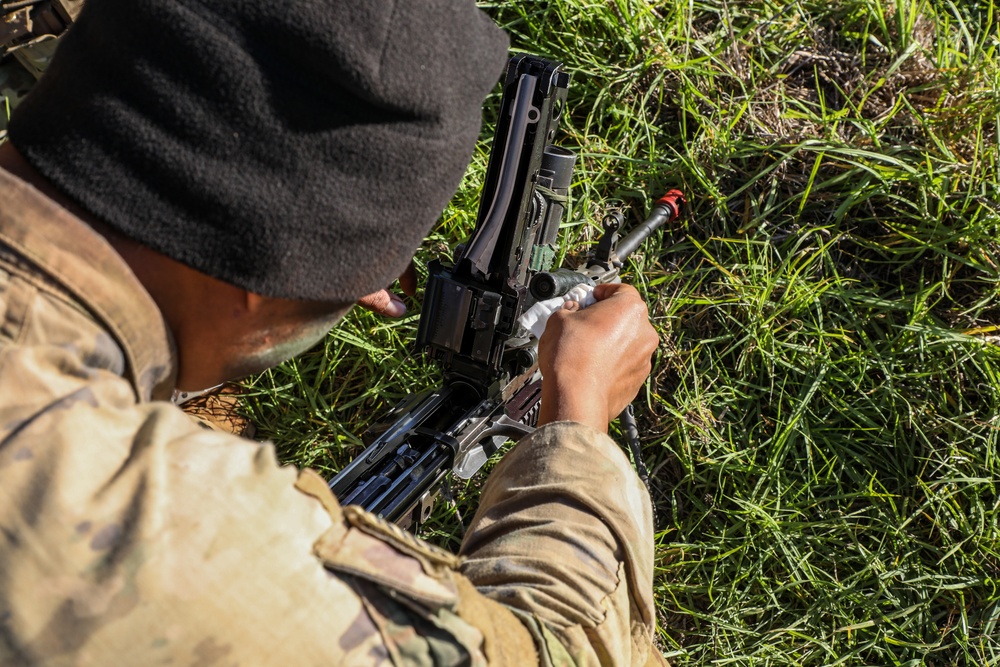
pixel 385 302
pixel 595 360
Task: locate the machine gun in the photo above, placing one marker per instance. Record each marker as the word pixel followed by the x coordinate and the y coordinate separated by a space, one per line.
pixel 469 322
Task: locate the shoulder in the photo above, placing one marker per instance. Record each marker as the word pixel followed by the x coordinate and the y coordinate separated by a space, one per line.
pixel 130 528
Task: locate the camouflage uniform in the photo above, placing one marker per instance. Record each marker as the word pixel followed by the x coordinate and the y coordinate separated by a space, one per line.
pixel 128 535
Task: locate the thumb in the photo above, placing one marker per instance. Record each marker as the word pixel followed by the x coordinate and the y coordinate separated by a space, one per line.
pixel 383 302
pixel 608 290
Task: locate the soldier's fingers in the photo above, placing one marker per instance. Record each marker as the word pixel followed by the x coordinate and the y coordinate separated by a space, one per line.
pixel 408 280
pixel 608 290
pixel 383 302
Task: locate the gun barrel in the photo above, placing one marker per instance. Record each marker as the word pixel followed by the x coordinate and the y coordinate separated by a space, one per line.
pixel 550 284
pixel 667 209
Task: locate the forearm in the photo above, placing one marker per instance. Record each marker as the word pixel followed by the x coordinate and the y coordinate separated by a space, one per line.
pixel 564 532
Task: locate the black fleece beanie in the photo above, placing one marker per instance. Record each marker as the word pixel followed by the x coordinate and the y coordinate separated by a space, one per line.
pixel 298 148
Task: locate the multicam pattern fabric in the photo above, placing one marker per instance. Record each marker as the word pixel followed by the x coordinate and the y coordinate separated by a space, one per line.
pixel 131 536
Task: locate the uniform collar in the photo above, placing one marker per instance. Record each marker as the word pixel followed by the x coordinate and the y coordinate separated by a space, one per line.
pixel 84 264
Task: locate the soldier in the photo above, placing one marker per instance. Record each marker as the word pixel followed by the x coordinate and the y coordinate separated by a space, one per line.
pixel 196 191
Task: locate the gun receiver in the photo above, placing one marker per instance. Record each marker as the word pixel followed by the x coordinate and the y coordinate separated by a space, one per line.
pixel 469 321
pixel 471 308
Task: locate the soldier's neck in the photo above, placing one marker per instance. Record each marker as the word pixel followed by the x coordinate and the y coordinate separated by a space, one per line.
pixel 136 256
pixel 13 161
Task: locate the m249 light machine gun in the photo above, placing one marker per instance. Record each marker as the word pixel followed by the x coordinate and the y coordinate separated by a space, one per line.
pixel 469 322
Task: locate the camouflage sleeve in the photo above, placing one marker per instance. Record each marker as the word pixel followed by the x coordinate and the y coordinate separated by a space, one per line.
pixel 564 536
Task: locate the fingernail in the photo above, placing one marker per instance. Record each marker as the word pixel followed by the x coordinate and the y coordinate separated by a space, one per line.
pixel 396 307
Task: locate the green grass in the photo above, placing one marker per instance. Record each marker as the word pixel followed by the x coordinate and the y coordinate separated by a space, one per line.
pixel 822 419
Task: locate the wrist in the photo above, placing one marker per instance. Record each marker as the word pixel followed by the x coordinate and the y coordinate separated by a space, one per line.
pixel 575 405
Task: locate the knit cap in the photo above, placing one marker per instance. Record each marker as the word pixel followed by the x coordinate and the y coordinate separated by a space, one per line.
pixel 295 148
